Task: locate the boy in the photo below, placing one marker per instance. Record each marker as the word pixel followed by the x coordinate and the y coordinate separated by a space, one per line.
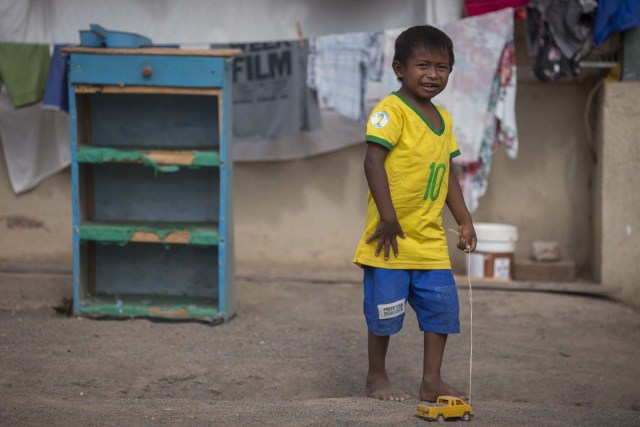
pixel 408 169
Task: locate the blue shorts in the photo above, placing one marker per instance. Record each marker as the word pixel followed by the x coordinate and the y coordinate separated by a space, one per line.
pixel 432 294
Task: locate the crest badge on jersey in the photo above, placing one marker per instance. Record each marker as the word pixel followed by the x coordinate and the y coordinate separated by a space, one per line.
pixel 379 119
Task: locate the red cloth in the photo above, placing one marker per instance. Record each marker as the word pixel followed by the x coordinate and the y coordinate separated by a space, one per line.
pixel 480 7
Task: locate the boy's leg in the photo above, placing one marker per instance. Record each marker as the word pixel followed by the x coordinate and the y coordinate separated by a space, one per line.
pixel 378 384
pixel 432 384
pixel 385 293
pixel 434 298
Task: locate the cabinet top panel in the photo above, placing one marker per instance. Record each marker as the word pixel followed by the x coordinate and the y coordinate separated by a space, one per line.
pixel 154 51
pixel 148 70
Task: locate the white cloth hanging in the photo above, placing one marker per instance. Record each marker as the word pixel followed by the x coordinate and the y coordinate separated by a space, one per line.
pixel 35 142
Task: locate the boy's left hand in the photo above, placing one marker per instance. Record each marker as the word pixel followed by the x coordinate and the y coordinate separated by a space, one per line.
pixel 467 237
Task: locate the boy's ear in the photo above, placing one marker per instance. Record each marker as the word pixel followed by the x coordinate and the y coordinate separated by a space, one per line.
pixel 397 69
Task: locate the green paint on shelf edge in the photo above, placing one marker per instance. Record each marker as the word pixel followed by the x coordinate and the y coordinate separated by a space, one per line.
pixel 105 155
pixel 122 234
pixel 119 234
pixel 159 168
pixel 88 154
pixel 205 158
pixel 203 238
pixel 134 310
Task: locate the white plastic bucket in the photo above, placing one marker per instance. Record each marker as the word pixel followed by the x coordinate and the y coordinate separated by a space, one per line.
pixel 494 251
pixel 496 238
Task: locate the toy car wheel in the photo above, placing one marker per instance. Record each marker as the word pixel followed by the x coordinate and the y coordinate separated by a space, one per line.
pixel 440 418
pixel 466 416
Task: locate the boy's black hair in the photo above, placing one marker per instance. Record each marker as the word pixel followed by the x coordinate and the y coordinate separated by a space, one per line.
pixel 422 36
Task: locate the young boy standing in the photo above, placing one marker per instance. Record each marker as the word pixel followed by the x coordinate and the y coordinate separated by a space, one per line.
pixel 408 169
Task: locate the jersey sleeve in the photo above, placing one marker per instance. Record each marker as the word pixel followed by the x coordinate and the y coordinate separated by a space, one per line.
pixel 454 150
pixel 384 126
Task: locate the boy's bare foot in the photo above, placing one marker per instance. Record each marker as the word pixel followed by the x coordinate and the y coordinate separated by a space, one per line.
pixel 379 387
pixel 429 391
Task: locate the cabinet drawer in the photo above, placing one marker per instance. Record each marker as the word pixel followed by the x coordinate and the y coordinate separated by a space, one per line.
pixel 147 70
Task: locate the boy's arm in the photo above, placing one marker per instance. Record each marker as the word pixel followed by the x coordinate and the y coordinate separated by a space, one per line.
pixel 458 208
pixel 388 228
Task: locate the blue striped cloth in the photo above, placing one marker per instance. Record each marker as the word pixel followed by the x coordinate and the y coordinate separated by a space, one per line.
pixel 339 66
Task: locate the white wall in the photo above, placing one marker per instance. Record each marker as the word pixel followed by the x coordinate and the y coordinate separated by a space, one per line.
pixel 202 21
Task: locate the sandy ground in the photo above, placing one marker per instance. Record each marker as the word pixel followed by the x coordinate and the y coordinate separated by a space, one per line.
pixel 296 355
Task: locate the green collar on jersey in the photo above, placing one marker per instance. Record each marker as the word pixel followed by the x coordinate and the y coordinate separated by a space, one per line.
pixel 424 119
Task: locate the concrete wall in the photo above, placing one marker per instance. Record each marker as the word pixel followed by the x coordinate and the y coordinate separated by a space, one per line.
pixel 546 191
pixel 36 227
pixel 617 195
pixel 311 211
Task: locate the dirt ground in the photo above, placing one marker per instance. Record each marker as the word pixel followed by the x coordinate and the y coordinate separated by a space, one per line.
pixel 295 354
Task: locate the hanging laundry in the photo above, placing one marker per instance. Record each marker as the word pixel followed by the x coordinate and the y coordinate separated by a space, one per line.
pixel 56 93
pixel 479 43
pixel 390 82
pixel 558 35
pixel 439 12
pixel 35 142
pixel 500 129
pixel 271 99
pixel 480 7
pixel 614 16
pixel 23 71
pixel 339 66
pixel 481 96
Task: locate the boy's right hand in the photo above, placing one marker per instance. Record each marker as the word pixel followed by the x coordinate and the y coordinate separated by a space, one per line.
pixel 387 233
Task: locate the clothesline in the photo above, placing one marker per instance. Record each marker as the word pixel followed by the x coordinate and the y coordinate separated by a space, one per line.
pixel 340 69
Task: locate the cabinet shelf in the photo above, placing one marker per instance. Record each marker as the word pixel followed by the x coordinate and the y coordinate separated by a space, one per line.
pixel 195 234
pixel 156 306
pixel 162 159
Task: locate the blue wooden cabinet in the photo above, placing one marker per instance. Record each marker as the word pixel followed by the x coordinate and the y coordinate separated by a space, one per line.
pixel 152 183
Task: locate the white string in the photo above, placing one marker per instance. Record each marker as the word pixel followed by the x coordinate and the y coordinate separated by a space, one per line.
pixel 471 323
pixel 470 316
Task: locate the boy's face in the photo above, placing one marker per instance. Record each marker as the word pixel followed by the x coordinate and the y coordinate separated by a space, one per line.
pixel 424 74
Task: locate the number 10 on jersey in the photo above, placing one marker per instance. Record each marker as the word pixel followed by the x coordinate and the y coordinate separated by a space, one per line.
pixel 436 176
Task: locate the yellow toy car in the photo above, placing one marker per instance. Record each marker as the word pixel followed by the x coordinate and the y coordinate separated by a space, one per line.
pixel 446 407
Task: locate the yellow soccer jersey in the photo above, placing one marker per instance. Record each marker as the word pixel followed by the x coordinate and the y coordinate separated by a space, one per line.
pixel 417 168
